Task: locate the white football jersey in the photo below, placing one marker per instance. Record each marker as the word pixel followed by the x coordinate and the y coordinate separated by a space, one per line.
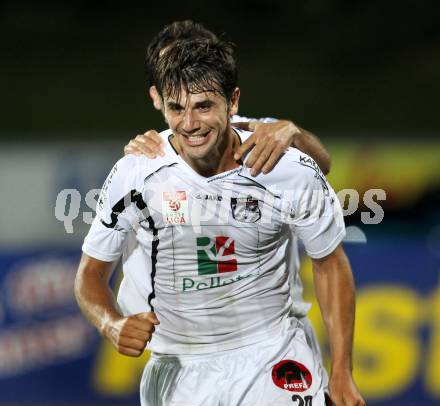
pixel 217 274
pixel 134 258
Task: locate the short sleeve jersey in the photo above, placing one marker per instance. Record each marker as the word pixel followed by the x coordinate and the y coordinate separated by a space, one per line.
pixel 216 245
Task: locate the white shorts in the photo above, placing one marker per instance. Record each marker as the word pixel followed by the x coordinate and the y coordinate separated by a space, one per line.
pixel 312 341
pixel 276 372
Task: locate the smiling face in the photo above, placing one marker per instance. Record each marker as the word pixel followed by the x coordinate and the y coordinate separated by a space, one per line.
pixel 199 122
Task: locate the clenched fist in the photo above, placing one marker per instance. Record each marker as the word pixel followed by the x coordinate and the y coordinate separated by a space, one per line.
pixel 129 335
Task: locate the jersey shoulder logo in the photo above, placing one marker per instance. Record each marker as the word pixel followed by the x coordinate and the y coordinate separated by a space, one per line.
pixel 245 209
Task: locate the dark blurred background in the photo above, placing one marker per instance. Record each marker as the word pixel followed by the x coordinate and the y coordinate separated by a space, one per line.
pixel 362 75
pixel 333 65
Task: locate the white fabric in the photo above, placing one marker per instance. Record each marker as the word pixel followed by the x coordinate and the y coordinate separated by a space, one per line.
pixel 221 279
pixel 243 119
pixel 300 307
pixel 240 377
pixel 134 258
pixel 312 342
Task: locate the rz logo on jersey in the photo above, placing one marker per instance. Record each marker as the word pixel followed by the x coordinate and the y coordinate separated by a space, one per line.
pixel 175 207
pixel 216 255
pixel 292 376
pixel 245 209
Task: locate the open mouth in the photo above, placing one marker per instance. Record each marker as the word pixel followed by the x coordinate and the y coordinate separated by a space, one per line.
pixel 196 140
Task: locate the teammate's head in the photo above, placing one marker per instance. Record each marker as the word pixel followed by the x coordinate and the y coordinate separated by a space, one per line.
pixel 197 83
pixel 178 30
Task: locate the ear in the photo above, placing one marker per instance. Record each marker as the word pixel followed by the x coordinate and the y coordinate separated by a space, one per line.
pixel 154 94
pixel 233 109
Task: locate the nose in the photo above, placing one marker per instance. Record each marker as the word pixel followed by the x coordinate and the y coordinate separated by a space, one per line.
pixel 189 124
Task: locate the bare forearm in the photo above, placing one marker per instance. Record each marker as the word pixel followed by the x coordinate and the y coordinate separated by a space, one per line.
pixel 94 296
pixel 310 144
pixel 335 290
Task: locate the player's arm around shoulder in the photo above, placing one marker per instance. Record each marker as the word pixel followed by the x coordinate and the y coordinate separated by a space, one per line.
pixel 310 144
pixel 150 143
pixel 271 137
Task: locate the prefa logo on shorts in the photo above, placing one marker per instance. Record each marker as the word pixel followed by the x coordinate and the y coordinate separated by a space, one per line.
pixel 175 207
pixel 292 376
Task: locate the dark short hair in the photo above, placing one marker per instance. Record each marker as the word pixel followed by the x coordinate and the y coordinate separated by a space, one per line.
pixel 178 30
pixel 196 66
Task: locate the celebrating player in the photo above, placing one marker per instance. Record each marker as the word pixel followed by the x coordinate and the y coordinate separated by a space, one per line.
pixel 222 331
pixel 272 138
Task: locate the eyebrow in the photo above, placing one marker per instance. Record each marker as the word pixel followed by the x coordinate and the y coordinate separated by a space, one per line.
pixel 206 102
pixel 174 105
pixel 201 103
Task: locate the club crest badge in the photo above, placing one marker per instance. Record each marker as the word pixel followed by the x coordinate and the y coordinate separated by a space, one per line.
pixel 175 207
pixel 245 209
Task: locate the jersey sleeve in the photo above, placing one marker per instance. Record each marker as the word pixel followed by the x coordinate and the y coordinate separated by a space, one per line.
pixel 242 119
pixel 314 212
pixel 119 209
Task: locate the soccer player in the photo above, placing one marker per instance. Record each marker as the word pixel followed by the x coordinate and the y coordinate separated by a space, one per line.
pixel 282 132
pixel 272 138
pixel 216 239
